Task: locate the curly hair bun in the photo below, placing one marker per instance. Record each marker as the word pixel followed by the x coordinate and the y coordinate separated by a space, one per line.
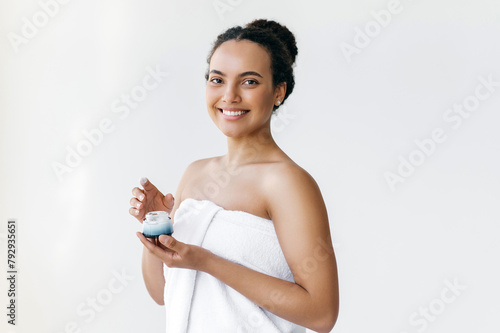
pixel 281 32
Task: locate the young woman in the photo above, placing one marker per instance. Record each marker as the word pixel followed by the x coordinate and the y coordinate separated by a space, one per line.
pixel 249 76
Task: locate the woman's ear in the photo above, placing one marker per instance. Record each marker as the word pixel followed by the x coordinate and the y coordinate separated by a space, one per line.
pixel 280 93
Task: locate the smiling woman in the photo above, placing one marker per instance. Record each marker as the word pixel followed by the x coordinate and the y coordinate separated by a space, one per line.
pixel 255 254
pixel 234 95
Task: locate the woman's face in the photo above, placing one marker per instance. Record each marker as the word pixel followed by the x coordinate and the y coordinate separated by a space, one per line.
pixel 240 93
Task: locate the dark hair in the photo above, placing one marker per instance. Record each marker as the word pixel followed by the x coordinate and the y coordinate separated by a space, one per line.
pixel 279 43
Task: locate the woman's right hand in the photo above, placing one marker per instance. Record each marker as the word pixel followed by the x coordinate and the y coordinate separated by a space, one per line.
pixel 149 199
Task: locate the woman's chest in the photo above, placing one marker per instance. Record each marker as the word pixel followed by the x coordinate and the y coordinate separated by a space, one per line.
pixel 232 191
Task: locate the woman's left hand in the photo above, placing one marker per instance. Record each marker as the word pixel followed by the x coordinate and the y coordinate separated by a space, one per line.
pixel 177 254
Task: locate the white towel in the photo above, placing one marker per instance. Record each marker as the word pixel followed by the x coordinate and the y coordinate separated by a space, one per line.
pixel 196 301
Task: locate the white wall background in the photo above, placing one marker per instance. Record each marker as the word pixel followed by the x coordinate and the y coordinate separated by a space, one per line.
pixel 348 123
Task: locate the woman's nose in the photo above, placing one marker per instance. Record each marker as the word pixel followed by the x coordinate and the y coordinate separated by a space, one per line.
pixel 231 95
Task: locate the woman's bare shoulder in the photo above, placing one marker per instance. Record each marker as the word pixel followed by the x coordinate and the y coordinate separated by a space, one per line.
pixel 193 169
pixel 286 184
pixel 201 164
pixel 289 173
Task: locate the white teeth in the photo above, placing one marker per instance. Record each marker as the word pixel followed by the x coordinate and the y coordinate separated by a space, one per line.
pixel 233 113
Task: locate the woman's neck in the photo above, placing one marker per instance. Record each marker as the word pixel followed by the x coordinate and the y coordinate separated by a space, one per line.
pixel 251 149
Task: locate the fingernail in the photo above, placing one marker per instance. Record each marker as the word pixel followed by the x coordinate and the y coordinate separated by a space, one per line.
pixel 141 197
pixel 136 212
pixel 143 180
pixel 138 205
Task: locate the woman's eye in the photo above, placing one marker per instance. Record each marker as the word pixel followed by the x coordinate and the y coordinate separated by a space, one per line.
pixel 216 80
pixel 251 82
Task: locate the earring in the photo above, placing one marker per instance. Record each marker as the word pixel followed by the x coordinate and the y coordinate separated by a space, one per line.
pixel 278 102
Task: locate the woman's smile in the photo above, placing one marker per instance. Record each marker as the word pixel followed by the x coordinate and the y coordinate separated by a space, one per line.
pixel 233 113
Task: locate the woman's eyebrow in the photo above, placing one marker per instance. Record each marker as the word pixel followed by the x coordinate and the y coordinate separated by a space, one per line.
pixel 239 75
pixel 249 73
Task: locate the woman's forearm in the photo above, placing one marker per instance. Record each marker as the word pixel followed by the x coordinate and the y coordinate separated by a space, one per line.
pixel 285 299
pixel 152 272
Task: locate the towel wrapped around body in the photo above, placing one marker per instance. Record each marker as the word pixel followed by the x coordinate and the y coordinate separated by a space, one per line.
pixel 196 301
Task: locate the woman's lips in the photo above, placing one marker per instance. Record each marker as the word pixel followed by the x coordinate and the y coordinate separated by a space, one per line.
pixel 233 114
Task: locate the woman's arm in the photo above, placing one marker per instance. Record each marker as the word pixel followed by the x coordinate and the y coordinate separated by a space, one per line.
pixel 152 266
pixel 300 218
pixel 152 273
